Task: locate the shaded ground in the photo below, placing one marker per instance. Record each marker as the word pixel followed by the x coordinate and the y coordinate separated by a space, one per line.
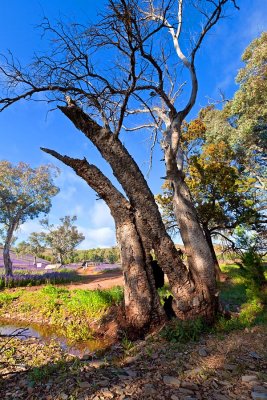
pixel 214 368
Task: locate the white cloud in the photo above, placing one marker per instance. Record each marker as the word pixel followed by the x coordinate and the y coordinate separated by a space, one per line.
pixel 98 237
pixel 27 228
pixel 99 215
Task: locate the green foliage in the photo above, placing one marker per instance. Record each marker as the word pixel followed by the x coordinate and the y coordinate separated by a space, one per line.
pixel 44 372
pixel 249 107
pixel 62 239
pixel 34 246
pixel 111 255
pixel 250 245
pixel 7 298
pixel 245 293
pixel 164 292
pixel 25 192
pixel 127 344
pixel 70 311
pixel 179 331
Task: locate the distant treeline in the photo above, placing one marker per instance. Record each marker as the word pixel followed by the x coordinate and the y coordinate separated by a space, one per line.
pixel 109 255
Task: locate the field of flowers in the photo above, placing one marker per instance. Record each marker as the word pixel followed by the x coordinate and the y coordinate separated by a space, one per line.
pixel 22 261
pixel 25 273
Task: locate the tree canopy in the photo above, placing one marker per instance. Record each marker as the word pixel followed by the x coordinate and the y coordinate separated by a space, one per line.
pixel 25 193
pixel 62 239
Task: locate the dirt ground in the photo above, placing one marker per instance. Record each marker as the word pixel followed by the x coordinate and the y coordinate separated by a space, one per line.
pixel 92 280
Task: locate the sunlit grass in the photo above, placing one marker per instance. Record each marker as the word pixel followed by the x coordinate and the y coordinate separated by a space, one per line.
pixel 71 311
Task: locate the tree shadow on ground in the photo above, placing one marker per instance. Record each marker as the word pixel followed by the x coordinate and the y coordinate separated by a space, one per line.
pixel 144 372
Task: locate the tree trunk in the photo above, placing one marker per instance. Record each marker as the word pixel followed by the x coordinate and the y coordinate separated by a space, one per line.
pixel 142 305
pixel 215 260
pixel 6 255
pixel 190 300
pixel 60 258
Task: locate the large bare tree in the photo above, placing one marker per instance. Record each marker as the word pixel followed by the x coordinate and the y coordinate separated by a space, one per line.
pixel 107 77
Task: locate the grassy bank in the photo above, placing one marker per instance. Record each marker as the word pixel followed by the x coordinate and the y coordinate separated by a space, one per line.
pixel 72 312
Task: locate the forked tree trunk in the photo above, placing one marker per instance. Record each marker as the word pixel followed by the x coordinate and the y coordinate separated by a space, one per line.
pixel 142 305
pixel 199 256
pixel 190 298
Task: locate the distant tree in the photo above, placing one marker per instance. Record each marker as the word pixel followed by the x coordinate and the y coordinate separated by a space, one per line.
pixel 62 239
pixel 34 246
pixel 25 193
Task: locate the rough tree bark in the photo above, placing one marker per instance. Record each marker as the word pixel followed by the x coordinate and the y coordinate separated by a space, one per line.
pixel 6 251
pixel 142 305
pixel 215 260
pixel 194 291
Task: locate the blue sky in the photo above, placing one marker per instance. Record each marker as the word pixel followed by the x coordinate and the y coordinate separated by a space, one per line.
pixel 27 126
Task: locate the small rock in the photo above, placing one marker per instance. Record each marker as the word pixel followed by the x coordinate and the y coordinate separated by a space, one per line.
pixel 260 389
pixel 149 389
pixel 96 363
pixel 230 367
pixel 252 384
pixel 255 355
pixel 130 373
pixel 171 380
pixel 259 396
pixel 220 396
pixel 189 385
pixel 86 357
pixel 103 383
pixel 107 394
pixel 203 352
pixel 249 378
pixel 186 391
pixel 84 385
pixel 64 396
pixel 189 398
pixel 173 397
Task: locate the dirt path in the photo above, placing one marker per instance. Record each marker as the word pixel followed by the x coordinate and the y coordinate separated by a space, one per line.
pixel 90 280
pixel 93 281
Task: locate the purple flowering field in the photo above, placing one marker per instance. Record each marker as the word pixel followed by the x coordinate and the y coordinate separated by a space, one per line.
pixel 106 267
pixel 26 273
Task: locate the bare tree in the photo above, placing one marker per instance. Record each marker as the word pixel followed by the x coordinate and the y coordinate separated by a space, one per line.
pixel 108 76
pixel 141 300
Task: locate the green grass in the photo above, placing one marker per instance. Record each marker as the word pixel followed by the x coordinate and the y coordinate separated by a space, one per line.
pixel 183 331
pixel 7 298
pixel 238 293
pixel 70 311
pixel 243 293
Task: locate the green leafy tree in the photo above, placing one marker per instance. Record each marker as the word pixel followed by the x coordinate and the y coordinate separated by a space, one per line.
pixel 248 109
pixel 222 195
pixel 25 193
pixel 62 239
pixel 34 246
pixel 251 249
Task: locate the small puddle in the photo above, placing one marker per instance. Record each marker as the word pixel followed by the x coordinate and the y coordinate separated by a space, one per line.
pixel 47 333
